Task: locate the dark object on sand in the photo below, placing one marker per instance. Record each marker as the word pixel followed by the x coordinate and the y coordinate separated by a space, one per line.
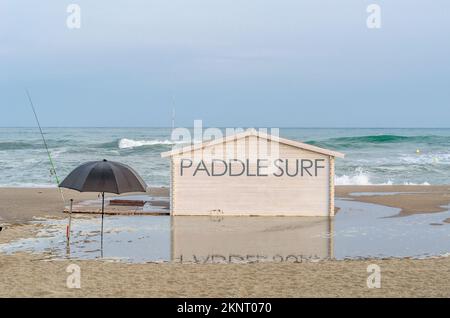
pixel 104 176
pixel 121 202
pixel 1 228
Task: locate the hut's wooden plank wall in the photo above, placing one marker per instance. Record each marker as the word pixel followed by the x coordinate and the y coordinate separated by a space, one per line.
pixel 252 195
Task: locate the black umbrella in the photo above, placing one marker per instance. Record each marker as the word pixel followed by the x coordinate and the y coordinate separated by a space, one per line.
pixel 104 176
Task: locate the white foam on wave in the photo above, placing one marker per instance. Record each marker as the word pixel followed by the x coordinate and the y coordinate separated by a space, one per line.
pixel 125 143
pixel 358 179
pixel 412 183
pixel 427 158
pixel 27 185
pixel 362 178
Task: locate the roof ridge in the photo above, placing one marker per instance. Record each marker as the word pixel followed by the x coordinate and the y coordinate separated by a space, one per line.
pixel 252 132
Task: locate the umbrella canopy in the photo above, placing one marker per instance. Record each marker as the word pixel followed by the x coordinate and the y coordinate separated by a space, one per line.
pixel 104 176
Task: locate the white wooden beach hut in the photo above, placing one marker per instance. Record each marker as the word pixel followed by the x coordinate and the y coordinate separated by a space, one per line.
pixel 252 173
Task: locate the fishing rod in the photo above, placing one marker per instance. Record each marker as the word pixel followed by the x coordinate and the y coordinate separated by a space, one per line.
pixel 52 170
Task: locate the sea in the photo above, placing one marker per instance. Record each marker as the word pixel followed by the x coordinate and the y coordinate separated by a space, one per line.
pixel 378 156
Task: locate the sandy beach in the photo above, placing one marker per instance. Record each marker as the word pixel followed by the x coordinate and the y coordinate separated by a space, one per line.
pixel 33 275
pixel 26 276
pixel 22 204
pixel 411 199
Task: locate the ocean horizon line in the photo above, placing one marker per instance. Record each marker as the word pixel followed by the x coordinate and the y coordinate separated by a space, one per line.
pixel 224 127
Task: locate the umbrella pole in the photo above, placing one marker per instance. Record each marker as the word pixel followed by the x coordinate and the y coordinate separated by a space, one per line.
pixel 103 210
pixel 69 227
pixel 70 220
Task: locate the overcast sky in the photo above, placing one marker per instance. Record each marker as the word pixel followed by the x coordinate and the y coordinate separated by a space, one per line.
pixel 231 63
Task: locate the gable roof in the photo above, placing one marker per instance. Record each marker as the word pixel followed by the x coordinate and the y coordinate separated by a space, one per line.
pixel 248 133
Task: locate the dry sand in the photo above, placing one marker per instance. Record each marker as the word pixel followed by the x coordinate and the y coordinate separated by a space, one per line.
pixel 32 276
pixel 28 276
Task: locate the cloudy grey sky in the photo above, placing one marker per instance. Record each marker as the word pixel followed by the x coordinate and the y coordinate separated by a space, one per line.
pixel 274 63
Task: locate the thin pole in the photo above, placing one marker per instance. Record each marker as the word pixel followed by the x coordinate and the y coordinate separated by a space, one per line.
pixel 53 169
pixel 70 221
pixel 69 228
pixel 103 210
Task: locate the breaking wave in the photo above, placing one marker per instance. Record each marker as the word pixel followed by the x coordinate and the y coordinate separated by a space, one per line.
pixel 363 141
pixel 363 178
pixel 125 143
pixel 358 179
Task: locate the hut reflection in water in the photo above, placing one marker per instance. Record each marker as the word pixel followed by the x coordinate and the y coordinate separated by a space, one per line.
pixel 229 239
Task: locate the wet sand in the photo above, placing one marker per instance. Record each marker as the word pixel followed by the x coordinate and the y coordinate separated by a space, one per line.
pixel 409 199
pixel 20 205
pixel 31 275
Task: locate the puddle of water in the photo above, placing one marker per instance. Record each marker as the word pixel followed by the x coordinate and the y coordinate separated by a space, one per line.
pixel 359 230
pixel 368 230
pixel 363 194
pixel 133 238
